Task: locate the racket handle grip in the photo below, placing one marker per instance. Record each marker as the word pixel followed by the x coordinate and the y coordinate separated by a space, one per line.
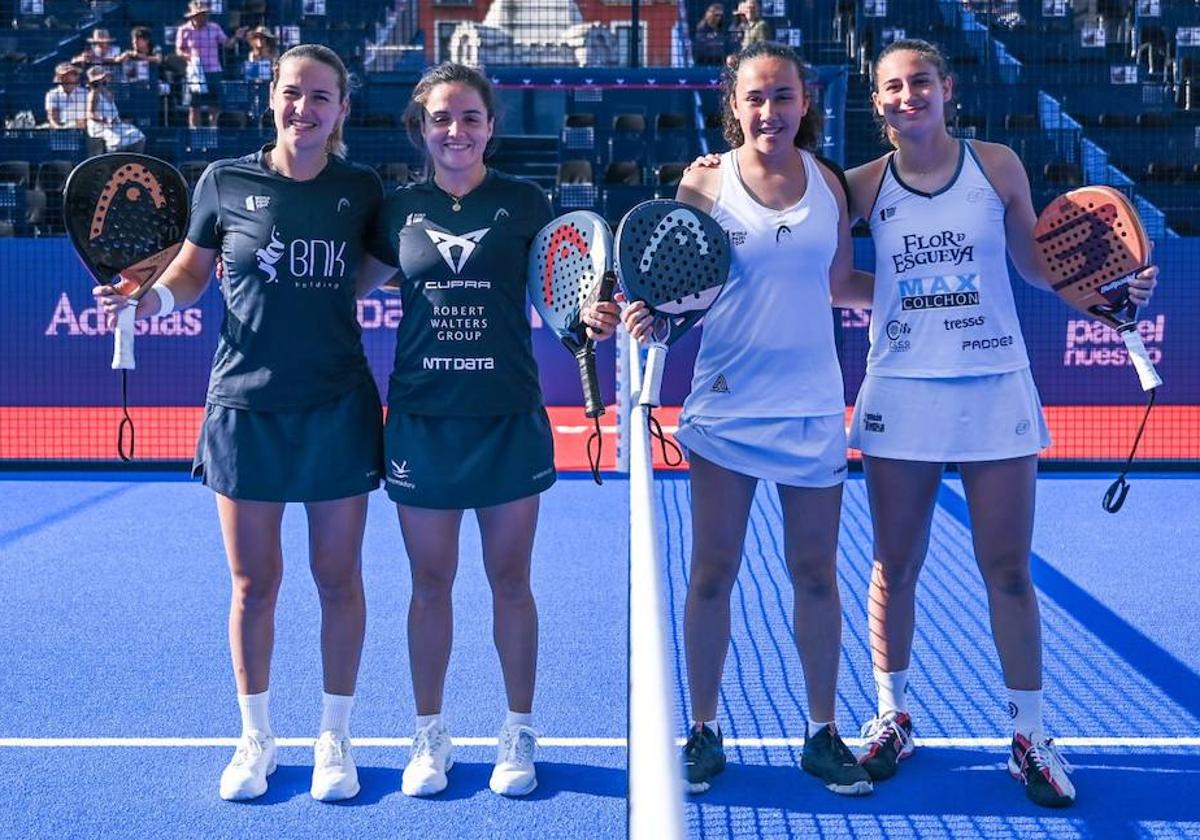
pixel 652 374
pixel 123 339
pixel 1147 375
pixel 593 403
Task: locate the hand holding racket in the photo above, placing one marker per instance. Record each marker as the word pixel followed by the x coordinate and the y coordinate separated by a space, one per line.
pixel 126 215
pixel 570 282
pixel 673 260
pixel 1097 257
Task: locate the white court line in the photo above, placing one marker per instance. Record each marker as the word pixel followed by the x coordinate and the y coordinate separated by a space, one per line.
pixel 605 743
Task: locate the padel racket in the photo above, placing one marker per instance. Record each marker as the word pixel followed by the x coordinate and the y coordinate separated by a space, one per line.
pixel 675 258
pixel 127 216
pixel 1093 242
pixel 570 267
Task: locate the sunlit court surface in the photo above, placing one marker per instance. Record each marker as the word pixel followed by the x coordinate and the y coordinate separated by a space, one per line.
pixel 121 715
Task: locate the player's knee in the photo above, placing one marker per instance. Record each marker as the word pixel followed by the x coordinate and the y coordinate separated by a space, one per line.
pixel 1009 576
pixel 431 586
pixel 711 579
pixel 895 572
pixel 339 584
pixel 256 592
pixel 510 584
pixel 814 579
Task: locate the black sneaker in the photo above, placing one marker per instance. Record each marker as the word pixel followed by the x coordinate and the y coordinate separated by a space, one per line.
pixel 703 758
pixel 1038 766
pixel 889 741
pixel 827 757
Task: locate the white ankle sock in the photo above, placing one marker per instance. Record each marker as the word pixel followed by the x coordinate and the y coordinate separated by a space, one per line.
pixel 425 720
pixel 335 713
pixel 891 689
pixel 1025 709
pixel 711 724
pixel 254 712
pixel 816 726
pixel 518 718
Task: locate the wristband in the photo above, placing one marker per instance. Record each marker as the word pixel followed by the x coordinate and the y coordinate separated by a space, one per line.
pixel 166 300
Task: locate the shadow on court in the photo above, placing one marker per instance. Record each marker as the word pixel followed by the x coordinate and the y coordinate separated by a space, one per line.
pixel 1114 787
pixel 1159 667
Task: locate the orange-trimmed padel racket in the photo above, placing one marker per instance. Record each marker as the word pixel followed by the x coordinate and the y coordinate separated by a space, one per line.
pixel 126 215
pixel 1093 242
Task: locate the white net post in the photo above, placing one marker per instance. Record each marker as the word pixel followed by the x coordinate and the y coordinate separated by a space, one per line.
pixel 655 772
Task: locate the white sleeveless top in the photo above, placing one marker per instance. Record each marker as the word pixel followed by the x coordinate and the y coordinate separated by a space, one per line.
pixel 767 349
pixel 943 299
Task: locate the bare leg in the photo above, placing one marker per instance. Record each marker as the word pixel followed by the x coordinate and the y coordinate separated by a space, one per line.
pixel 507 531
pixel 810 534
pixel 903 495
pixel 431 539
pixel 335 533
pixel 251 535
pixel 720 509
pixel 1000 497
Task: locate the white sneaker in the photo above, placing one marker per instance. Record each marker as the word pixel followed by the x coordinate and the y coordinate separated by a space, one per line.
pixel 245 777
pixel 425 774
pixel 514 774
pixel 334 775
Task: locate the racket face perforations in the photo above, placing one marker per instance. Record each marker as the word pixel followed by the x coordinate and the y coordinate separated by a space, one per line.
pixel 568 258
pixel 671 256
pixel 1091 240
pixel 124 211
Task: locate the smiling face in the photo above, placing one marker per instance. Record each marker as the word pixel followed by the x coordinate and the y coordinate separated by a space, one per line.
pixel 456 127
pixel 911 94
pixel 308 104
pixel 769 103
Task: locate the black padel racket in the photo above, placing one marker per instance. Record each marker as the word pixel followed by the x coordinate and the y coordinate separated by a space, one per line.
pixel 1093 242
pixel 675 258
pixel 127 216
pixel 570 267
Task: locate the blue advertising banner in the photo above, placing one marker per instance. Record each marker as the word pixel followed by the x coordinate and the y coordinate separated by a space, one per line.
pixel 57 351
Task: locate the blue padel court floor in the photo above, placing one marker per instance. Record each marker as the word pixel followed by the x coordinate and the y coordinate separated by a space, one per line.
pixel 119 713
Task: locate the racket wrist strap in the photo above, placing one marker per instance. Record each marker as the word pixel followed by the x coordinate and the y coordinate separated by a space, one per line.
pixel 166 300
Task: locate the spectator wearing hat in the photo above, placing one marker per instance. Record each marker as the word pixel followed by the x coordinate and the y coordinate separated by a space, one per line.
pixel 103 120
pixel 262 55
pixel 66 102
pixel 141 61
pixel 750 28
pixel 199 41
pixel 102 49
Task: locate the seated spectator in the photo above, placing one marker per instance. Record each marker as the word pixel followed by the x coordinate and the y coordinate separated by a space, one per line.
pixel 102 49
pixel 262 55
pixel 752 28
pixel 710 45
pixel 66 102
pixel 140 63
pixel 103 120
pixel 199 41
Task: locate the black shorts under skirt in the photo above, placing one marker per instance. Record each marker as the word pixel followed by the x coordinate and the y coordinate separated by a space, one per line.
pixel 459 463
pixel 330 451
